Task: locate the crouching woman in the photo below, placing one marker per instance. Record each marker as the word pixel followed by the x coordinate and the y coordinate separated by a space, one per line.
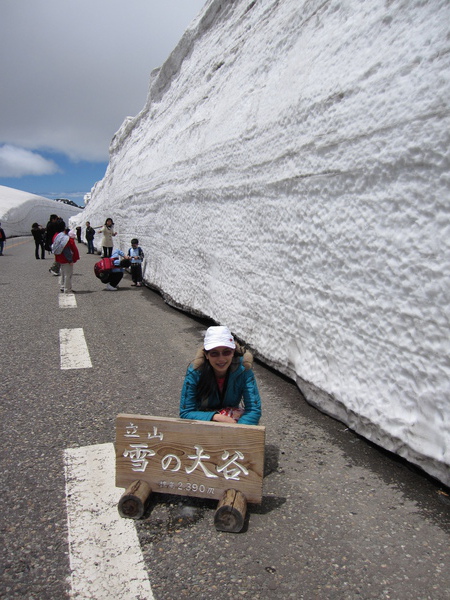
pixel 116 274
pixel 220 384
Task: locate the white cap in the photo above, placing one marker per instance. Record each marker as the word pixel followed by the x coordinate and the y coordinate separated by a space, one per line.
pixel 218 336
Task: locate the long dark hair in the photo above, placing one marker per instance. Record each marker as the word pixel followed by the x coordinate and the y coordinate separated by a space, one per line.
pixel 207 383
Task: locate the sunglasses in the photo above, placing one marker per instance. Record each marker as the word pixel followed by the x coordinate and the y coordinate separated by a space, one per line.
pixel 217 353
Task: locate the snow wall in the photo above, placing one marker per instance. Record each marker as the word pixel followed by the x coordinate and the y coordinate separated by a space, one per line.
pixel 289 177
pixel 19 210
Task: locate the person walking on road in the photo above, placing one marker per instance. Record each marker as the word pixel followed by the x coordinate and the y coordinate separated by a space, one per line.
pixel 218 380
pixel 66 254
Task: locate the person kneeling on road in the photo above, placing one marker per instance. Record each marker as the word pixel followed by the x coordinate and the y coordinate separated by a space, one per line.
pixel 120 263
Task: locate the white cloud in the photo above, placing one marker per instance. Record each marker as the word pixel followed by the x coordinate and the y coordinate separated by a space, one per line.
pixel 76 69
pixel 17 162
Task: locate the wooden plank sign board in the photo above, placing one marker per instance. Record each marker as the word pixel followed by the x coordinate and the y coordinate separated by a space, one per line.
pixel 190 458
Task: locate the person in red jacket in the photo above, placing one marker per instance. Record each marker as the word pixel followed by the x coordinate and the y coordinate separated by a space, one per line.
pixel 67 257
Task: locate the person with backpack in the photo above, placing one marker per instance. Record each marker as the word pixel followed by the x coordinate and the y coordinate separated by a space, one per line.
pixel 136 255
pixel 66 255
pixel 110 269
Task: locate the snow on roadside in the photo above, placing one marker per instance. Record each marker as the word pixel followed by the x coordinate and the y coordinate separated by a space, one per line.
pixel 19 210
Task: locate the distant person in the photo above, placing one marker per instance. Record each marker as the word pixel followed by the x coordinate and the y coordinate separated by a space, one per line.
pixel 90 233
pixel 218 380
pixel 78 230
pixel 2 240
pixel 120 263
pixel 38 233
pixel 50 231
pixel 136 255
pixel 53 226
pixel 66 255
pixel 107 240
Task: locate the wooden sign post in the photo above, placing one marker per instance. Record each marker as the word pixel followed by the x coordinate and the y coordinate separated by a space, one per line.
pixel 204 459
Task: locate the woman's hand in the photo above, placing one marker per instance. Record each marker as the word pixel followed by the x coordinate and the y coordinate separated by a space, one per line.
pixel 223 418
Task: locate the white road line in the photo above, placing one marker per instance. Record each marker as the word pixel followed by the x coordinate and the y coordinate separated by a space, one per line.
pixel 67 301
pixel 73 349
pixel 105 556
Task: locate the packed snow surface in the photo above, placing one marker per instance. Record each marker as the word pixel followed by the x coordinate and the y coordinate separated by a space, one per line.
pixel 19 210
pixel 289 177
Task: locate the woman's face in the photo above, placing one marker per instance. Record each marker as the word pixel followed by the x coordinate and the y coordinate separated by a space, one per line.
pixel 220 359
pixel 108 222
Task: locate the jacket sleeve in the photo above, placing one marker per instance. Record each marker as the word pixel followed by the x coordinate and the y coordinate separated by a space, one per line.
pixel 188 404
pixel 116 259
pixel 252 400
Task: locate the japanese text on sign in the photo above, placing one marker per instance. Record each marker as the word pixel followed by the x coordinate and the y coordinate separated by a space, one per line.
pixel 140 455
pixel 189 457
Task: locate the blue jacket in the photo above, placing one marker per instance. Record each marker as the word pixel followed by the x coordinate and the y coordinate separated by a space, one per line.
pixel 136 255
pixel 241 386
pixel 117 256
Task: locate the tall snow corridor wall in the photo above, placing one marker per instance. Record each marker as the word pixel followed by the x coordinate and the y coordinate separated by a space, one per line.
pixel 289 177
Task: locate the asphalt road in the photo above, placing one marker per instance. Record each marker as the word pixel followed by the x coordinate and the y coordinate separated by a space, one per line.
pixel 340 518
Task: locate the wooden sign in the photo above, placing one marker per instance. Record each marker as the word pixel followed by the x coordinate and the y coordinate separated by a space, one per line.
pixel 190 458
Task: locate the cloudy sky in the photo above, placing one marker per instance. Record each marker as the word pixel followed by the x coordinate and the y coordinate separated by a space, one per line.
pixel 70 72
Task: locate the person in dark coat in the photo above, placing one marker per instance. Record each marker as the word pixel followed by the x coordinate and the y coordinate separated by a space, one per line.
pixel 2 240
pixel 38 232
pixel 90 232
pixel 50 231
pixel 53 226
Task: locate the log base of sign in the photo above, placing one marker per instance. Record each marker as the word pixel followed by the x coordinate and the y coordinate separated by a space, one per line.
pixel 231 510
pixel 132 502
